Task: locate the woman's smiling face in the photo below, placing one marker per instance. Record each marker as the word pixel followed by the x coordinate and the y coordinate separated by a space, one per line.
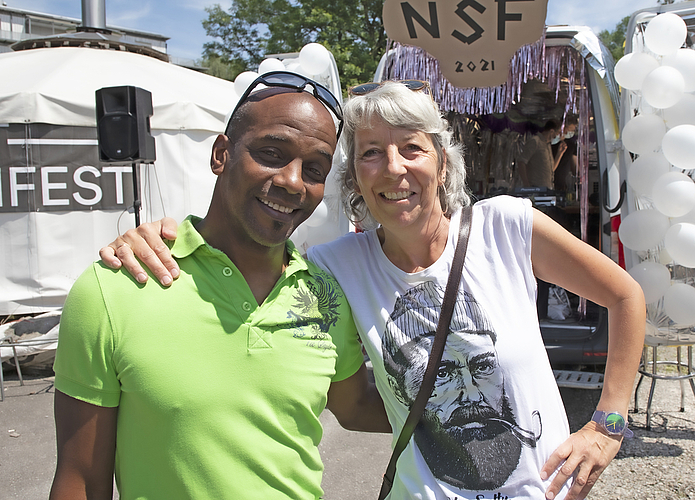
pixel 398 172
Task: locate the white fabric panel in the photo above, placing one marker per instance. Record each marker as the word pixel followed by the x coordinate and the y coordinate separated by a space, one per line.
pixel 181 181
pixel 42 253
pixel 57 85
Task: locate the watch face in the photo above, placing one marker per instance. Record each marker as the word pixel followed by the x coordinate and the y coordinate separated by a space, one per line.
pixel 615 423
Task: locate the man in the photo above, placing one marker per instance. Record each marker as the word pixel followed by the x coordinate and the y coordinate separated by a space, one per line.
pixel 213 388
pixel 468 418
pixel 536 163
pixel 566 171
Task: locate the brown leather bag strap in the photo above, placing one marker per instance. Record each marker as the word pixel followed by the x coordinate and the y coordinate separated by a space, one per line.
pixel 441 334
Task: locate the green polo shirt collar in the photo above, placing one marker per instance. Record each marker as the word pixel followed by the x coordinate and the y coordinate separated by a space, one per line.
pixel 188 240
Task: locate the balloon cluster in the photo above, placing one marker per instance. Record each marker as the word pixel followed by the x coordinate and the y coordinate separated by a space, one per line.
pixel 662 136
pixel 313 60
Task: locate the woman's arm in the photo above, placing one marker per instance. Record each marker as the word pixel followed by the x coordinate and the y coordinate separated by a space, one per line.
pixel 357 405
pixel 558 155
pixel 560 258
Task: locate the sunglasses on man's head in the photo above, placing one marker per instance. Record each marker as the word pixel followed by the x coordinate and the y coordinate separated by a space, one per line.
pixel 366 88
pixel 289 80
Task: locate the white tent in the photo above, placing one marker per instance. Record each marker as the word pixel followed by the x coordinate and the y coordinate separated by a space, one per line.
pixel 58 205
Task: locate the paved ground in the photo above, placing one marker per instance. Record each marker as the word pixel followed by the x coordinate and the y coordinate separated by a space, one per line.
pixel 657 464
pixel 27 442
pixel 353 460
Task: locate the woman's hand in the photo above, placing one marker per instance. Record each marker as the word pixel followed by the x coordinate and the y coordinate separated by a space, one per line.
pixel 585 455
pixel 146 242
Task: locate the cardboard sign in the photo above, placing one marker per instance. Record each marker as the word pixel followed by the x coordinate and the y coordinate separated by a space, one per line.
pixel 474 40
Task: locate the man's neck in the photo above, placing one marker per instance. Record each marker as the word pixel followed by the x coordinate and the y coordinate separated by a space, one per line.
pixel 260 265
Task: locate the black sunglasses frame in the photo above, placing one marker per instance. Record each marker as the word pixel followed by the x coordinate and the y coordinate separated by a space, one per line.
pixel 366 88
pixel 289 80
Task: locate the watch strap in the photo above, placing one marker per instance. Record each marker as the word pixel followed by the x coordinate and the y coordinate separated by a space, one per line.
pixel 601 417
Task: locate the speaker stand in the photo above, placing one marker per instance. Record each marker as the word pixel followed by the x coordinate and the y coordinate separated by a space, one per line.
pixel 136 195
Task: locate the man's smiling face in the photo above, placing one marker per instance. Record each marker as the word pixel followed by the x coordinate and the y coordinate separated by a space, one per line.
pixel 277 167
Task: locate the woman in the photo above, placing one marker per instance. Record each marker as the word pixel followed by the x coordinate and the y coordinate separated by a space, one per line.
pixel 495 425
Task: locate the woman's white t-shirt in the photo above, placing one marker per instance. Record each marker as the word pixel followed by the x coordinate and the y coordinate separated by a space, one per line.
pixel 495 414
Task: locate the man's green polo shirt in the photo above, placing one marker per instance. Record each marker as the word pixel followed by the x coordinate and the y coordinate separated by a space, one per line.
pixel 218 397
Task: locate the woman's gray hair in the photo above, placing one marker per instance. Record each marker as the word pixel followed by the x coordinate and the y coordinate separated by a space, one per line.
pixel 401 108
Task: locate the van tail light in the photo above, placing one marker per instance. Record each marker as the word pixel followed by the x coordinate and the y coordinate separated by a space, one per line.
pixel 617 252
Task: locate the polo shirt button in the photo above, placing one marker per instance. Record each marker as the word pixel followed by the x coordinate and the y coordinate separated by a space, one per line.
pixel 227 271
pixel 246 306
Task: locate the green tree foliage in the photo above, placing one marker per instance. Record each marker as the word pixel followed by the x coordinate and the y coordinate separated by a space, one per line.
pixel 221 68
pixel 252 29
pixel 615 40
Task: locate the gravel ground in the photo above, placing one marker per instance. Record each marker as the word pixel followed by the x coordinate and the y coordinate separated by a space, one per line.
pixel 659 463
pixel 656 464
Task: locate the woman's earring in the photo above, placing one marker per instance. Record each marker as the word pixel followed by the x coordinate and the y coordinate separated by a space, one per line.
pixel 444 199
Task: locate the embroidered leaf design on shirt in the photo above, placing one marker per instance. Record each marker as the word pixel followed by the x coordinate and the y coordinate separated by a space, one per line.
pixel 322 299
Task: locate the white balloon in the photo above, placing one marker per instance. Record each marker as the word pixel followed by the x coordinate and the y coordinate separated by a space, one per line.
pixel 319 217
pixel 674 194
pixel 300 235
pixel 679 303
pixel 270 64
pixel 665 34
pixel 643 229
pixel 683 112
pixel 243 80
pixel 663 87
pixel 294 67
pixel 680 243
pixel 684 61
pixel 643 133
pixel 664 257
pixel 655 279
pixel 314 58
pixel 689 217
pixel 632 68
pixel 644 108
pixel 678 145
pixel 644 172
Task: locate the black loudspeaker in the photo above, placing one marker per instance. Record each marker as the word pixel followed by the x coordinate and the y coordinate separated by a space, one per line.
pixel 123 125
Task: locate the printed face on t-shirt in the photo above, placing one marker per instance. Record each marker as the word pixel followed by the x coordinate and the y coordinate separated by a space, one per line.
pixel 469 386
pixel 468 434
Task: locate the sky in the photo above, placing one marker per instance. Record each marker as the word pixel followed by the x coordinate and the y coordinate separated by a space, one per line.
pixel 180 20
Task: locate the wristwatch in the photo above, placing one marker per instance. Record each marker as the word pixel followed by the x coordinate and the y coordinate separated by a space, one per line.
pixel 613 422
